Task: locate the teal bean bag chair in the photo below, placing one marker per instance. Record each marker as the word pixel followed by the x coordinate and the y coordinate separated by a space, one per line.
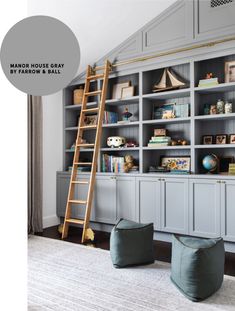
pixel 131 244
pixel 197 266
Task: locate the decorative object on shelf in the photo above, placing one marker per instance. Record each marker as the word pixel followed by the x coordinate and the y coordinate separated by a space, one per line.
pixel 129 163
pixel 127 92
pixel 181 110
pixel 78 95
pixel 168 82
pixel 213 109
pixel 90 120
pixel 206 110
pixel 171 111
pixel 231 169
pixel 159 141
pixel 116 141
pixel 117 89
pixel 221 139
pixel 174 142
pixel 110 117
pixel 131 144
pixel 73 146
pixel 207 139
pixel 179 142
pixel 208 81
pixel 176 164
pixel 160 132
pixel 126 115
pixel 232 138
pixel 158 169
pixel 112 164
pixel 210 163
pixel 220 106
pixel 229 71
pixel 228 108
pixel 224 164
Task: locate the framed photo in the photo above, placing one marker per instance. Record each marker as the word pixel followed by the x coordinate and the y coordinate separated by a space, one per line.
pixel 127 92
pixel 221 139
pixel 176 163
pixel 230 72
pixel 90 120
pixel 207 139
pixel 224 164
pixel 232 139
pixel 164 112
pixel 117 89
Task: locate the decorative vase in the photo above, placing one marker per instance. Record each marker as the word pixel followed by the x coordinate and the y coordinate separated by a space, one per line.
pixel 228 108
pixel 220 106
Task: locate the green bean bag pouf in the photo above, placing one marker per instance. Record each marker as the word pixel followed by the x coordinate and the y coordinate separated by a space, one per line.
pixel 131 244
pixel 197 266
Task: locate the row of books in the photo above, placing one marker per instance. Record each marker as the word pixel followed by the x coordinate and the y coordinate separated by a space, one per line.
pixel 110 117
pixel 157 141
pixel 112 164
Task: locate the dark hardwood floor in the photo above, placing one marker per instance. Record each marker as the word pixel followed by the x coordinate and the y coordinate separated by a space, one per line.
pixel 162 249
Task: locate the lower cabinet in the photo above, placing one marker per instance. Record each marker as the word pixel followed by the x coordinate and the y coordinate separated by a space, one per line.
pixel 228 210
pixel 204 207
pixel 164 201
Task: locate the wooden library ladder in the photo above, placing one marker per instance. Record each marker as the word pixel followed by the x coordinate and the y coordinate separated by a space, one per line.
pixel 87 233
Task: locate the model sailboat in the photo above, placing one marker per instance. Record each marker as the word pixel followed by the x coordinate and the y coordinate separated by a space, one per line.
pixel 168 82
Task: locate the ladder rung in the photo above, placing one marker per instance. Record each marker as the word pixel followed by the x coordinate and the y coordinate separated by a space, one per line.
pixel 78 201
pixel 80 182
pixel 85 145
pixel 75 221
pixel 88 127
pixel 95 77
pixel 82 163
pixel 93 93
pixel 90 110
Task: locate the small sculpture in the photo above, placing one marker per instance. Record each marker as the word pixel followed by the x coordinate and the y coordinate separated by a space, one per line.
pixel 116 141
pixel 129 163
pixel 209 75
pixel 126 115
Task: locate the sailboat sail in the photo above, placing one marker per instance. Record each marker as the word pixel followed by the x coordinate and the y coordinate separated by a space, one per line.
pixel 173 82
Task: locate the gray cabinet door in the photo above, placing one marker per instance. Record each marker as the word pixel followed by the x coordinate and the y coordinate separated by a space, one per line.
pixel 148 200
pixel 228 210
pixel 174 205
pixel 204 207
pixel 125 192
pixel 104 200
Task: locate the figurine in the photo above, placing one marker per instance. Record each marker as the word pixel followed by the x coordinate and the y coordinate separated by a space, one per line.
pixel 116 141
pixel 209 75
pixel 126 115
pixel 213 109
pixel 129 163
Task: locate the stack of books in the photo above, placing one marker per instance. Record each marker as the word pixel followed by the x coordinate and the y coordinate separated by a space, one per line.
pixel 112 164
pixel 110 117
pixel 159 141
pixel 208 82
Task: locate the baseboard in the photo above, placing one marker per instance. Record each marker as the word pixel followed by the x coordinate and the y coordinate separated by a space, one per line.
pixel 50 221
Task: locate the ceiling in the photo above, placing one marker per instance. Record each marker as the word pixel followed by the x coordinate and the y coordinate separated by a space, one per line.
pixel 100 25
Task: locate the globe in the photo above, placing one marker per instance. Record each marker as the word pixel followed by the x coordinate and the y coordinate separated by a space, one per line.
pixel 210 162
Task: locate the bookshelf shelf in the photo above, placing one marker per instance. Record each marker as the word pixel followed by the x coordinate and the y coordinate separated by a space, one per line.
pixel 142 106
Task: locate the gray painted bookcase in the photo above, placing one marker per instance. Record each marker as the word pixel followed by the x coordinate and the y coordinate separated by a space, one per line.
pixel 196 204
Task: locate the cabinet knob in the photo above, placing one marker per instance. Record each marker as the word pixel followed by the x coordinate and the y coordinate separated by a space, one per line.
pixel 113 177
pixel 218 181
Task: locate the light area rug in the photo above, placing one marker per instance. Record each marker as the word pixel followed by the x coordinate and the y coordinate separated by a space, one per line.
pixel 66 276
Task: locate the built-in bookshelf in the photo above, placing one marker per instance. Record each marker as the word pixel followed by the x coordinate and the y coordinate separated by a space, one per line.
pixel 141 127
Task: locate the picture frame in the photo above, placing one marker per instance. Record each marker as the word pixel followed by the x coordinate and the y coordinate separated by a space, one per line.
pixel 229 73
pixel 90 120
pixel 221 139
pixel 207 139
pixel 181 164
pixel 232 138
pixel 165 111
pixel 127 92
pixel 117 89
pixel 224 164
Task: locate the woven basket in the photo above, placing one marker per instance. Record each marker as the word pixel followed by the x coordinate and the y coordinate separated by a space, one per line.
pixel 77 96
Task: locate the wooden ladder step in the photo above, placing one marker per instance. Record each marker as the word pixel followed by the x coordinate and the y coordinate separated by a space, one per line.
pixel 95 77
pixel 78 201
pixel 82 163
pixel 80 182
pixel 93 93
pixel 88 127
pixel 85 145
pixel 90 110
pixel 75 221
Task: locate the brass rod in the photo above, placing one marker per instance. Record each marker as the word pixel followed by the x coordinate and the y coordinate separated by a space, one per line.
pixel 148 57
